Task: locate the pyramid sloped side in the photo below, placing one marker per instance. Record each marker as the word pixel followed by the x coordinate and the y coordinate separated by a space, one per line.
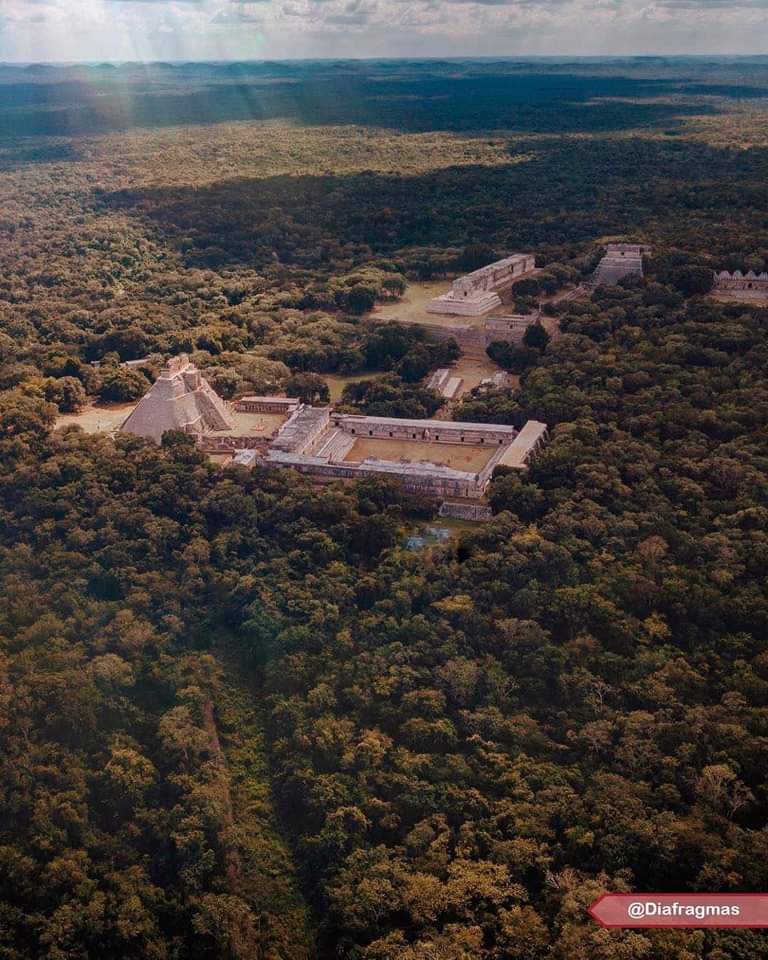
pixel 154 415
pixel 214 412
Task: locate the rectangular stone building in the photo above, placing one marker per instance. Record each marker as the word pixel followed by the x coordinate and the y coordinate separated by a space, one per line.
pixel 477 293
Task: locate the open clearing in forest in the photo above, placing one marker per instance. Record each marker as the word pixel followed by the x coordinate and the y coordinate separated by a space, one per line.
pixel 97 417
pixel 336 382
pixel 252 425
pixel 412 306
pixel 469 457
pixel 473 370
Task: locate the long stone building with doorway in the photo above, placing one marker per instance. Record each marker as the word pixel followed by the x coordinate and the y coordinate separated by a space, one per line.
pixel 738 282
pixel 477 293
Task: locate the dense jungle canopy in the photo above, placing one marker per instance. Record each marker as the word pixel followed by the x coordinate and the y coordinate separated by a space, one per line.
pixel 237 719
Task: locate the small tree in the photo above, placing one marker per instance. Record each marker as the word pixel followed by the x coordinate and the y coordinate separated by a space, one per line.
pixel 693 280
pixel 536 337
pixel 121 384
pixel 474 257
pixel 360 299
pixel 66 392
pixel 528 287
pixel 309 388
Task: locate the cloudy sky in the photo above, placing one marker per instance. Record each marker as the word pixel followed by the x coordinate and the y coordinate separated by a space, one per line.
pixel 65 30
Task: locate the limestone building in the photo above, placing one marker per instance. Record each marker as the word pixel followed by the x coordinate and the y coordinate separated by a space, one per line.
pixel 445 382
pixel 621 260
pixel 180 399
pixel 477 293
pixel 756 283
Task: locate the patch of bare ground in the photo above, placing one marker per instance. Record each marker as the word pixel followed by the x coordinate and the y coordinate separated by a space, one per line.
pixel 473 370
pixel 97 417
pixel 468 457
pixel 412 306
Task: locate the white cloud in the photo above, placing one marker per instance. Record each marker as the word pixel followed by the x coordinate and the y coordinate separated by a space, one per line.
pixel 239 29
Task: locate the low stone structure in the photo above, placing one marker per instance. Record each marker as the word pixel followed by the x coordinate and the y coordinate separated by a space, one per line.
pixel 180 399
pixel 498 381
pixel 510 328
pixel 738 282
pixel 246 458
pixel 302 429
pixel 458 510
pixel 524 447
pixel 477 293
pixel 621 260
pixel 445 383
pixel 445 431
pixel 256 404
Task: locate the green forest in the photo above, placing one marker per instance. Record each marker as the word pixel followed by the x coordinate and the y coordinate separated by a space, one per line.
pixel 238 720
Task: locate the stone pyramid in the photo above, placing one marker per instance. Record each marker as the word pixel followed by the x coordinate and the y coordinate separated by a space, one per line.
pixel 180 399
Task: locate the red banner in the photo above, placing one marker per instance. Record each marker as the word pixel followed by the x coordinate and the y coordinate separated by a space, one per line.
pixel 681 910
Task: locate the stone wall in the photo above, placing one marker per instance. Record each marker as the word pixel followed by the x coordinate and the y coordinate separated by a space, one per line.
pixel 741 281
pixel 441 431
pixel 465 511
pixel 628 249
pixel 231 443
pixel 419 478
pixel 253 404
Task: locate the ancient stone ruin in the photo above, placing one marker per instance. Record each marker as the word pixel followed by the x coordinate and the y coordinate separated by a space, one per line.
pixel 757 283
pixel 180 399
pixel 478 292
pixel 473 338
pixel 441 458
pixel 445 382
pixel 621 260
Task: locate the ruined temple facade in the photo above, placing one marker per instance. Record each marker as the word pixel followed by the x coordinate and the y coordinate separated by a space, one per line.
pixel 742 282
pixel 180 399
pixel 509 328
pixel 477 293
pixel 621 260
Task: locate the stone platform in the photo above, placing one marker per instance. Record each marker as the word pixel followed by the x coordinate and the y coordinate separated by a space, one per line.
pixel 471 306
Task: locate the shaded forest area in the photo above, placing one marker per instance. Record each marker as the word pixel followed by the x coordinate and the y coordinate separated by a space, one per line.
pixel 237 719
pixel 417 96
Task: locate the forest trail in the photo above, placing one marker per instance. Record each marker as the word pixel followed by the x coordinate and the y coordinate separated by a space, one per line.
pixel 260 867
